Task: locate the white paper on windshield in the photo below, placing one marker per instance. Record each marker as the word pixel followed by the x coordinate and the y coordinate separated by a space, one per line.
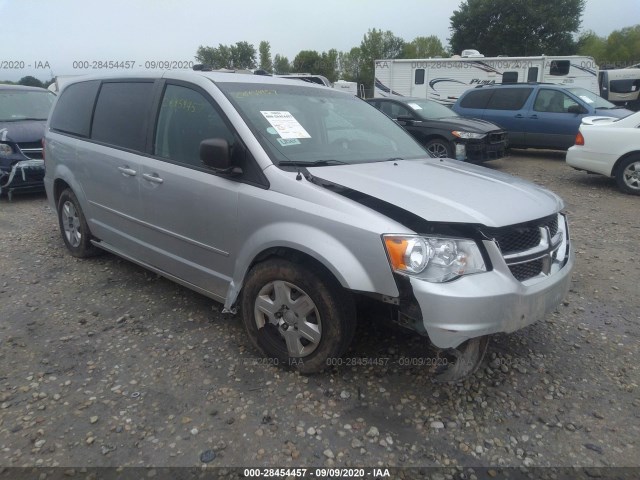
pixel 415 106
pixel 586 99
pixel 285 124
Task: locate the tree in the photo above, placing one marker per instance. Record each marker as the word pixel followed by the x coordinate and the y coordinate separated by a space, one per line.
pixel 30 81
pixel 377 45
pixel 329 65
pixel 424 47
pixel 620 49
pixel 242 55
pixel 281 65
pixel 307 61
pixel 349 65
pixel 516 27
pixel 265 56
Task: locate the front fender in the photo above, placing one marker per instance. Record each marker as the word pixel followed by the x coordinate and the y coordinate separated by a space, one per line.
pixel 338 257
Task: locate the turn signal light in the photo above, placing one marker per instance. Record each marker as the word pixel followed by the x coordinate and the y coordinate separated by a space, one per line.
pixel 579 139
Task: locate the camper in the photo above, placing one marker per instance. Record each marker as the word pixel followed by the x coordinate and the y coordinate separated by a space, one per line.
pixel 621 87
pixel 445 79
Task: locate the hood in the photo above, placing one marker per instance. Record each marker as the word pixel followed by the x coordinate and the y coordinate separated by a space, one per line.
pixel 444 190
pixel 473 125
pixel 22 131
pixel 599 120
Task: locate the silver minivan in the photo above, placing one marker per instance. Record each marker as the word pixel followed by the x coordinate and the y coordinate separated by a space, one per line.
pixel 293 204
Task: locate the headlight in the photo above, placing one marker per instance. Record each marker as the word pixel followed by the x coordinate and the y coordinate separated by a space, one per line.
pixel 434 259
pixel 5 149
pixel 468 135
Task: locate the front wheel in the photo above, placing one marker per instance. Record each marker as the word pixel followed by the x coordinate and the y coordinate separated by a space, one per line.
pixel 439 148
pixel 297 316
pixel 73 226
pixel 628 175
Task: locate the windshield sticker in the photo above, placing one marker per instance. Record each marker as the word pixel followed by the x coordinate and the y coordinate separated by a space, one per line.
pixel 288 141
pixel 285 124
pixel 415 106
pixel 272 131
pixel 586 99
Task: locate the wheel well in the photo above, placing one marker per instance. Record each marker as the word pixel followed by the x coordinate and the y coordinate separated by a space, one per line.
pixel 614 170
pixel 59 186
pixel 295 256
pixel 428 138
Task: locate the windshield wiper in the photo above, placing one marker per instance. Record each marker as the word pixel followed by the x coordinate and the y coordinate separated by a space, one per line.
pixel 317 163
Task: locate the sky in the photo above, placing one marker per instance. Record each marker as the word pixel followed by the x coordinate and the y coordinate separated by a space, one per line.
pixel 46 38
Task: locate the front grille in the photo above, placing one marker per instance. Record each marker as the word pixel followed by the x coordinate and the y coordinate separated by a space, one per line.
pixel 525 271
pixel 496 137
pixel 31 150
pixel 519 238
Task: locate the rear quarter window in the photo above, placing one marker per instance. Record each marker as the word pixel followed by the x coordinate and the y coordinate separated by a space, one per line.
pixel 72 113
pixel 121 115
pixel 476 99
pixel 509 98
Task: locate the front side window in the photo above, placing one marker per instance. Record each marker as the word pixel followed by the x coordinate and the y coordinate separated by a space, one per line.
pixel 121 114
pixel 186 119
pixel 553 101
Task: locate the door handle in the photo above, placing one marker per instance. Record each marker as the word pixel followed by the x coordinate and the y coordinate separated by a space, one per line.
pixel 519 116
pixel 534 116
pixel 152 178
pixel 127 171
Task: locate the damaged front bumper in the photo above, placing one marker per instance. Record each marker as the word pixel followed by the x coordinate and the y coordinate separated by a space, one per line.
pixel 486 303
pixel 24 176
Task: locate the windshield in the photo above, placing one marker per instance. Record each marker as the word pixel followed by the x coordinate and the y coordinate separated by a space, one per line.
pixel 429 110
pixel 25 105
pixel 301 125
pixel 591 98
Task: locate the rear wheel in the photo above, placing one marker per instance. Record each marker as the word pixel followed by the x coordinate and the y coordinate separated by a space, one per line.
pixel 439 148
pixel 73 226
pixel 298 316
pixel 628 175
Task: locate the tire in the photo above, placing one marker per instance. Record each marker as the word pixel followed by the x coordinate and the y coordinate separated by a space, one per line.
pixel 439 148
pixel 299 317
pixel 628 175
pixel 73 226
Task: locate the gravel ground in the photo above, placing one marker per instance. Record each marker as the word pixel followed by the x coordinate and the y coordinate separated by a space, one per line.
pixel 105 364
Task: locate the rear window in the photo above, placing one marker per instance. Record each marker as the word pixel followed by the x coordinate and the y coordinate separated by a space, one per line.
pixel 476 99
pixel 121 114
pixel 509 98
pixel 72 113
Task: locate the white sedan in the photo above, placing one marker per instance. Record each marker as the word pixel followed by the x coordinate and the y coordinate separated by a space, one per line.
pixel 609 146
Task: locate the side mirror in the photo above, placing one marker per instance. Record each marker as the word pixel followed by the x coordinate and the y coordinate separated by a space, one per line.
pixel 405 119
pixel 215 154
pixel 576 109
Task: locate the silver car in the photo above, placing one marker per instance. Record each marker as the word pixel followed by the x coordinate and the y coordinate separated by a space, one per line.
pixel 292 203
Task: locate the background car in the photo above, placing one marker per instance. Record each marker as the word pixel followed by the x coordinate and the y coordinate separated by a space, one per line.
pixel 536 115
pixel 443 132
pixel 23 113
pixel 609 147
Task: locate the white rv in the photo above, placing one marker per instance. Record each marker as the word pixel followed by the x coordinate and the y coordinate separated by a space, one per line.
pixel 445 79
pixel 621 86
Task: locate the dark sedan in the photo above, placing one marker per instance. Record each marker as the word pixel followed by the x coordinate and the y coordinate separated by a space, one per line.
pixel 443 132
pixel 23 114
